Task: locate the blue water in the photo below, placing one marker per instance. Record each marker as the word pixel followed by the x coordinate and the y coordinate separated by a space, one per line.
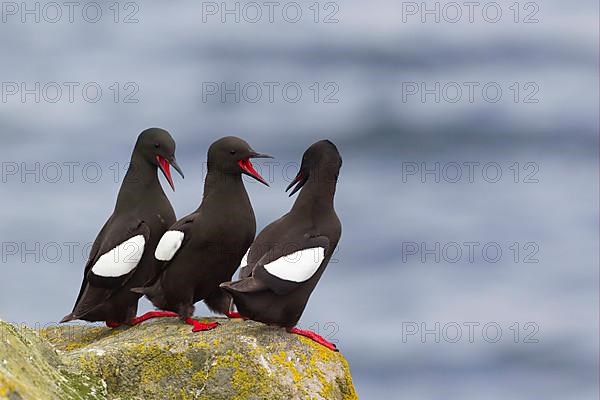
pixel 385 281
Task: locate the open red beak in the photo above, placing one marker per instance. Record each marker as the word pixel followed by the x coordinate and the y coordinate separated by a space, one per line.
pixel 248 168
pixel 166 169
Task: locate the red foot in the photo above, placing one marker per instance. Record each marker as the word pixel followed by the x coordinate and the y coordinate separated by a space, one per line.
pixel 152 314
pixel 313 336
pixel 200 326
pixel 234 314
pixel 112 324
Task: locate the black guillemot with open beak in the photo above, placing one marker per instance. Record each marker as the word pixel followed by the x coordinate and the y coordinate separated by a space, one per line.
pixel 205 248
pixel 288 257
pixel 122 256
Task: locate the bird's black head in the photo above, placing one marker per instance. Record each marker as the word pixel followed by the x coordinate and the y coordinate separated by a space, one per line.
pixel 321 161
pixel 231 155
pixel 157 147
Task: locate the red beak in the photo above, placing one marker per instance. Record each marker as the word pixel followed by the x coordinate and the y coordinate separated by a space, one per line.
pixel 247 166
pixel 165 168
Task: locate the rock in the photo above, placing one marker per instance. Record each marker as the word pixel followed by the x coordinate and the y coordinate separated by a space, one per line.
pixel 31 369
pixel 164 359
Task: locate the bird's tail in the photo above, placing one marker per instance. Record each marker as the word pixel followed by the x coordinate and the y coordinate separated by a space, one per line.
pixel 153 293
pixel 243 286
pixel 68 318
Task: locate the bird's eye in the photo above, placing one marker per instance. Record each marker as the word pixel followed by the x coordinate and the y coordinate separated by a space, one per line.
pixel 156 145
pixel 232 152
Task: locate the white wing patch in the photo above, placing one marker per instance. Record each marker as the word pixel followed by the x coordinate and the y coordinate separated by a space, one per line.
pixel 122 259
pixel 168 245
pixel 298 266
pixel 244 261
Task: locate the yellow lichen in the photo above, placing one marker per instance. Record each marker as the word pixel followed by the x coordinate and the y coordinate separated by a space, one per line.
pixel 242 360
pixel 6 387
pixel 282 359
pixel 329 388
pixel 248 380
pixel 30 368
pixel 163 364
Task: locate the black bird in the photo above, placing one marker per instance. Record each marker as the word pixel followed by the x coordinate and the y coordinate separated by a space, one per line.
pixel 122 255
pixel 288 257
pixel 205 248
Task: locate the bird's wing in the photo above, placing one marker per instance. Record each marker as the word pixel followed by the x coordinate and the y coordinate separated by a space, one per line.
pixel 174 239
pixel 284 268
pixel 113 260
pixel 263 245
pixel 245 268
pixel 119 255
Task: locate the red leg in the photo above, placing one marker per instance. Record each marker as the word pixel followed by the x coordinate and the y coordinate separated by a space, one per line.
pixel 313 336
pixel 152 314
pixel 112 324
pixel 234 314
pixel 200 326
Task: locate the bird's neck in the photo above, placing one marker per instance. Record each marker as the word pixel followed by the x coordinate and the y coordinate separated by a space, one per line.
pixel 221 188
pixel 317 195
pixel 141 180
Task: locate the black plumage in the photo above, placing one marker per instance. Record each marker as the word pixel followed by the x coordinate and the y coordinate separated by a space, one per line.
pixel 289 256
pixel 204 248
pixel 122 255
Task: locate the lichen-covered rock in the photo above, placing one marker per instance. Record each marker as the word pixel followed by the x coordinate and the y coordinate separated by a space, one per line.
pixel 240 360
pixel 31 369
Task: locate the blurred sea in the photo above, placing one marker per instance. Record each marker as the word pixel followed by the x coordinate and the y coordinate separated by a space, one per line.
pixel 377 290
